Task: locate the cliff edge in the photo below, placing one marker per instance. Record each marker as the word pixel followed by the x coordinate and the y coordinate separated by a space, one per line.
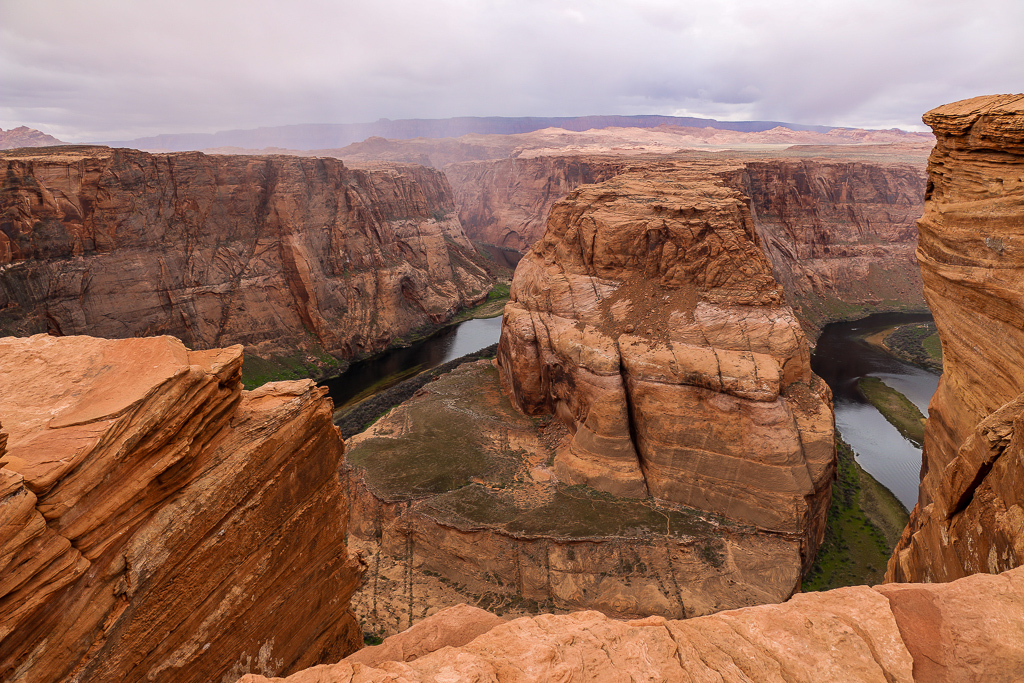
pixel 970 512
pixel 159 523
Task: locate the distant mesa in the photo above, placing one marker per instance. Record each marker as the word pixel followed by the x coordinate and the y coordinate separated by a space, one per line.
pixel 23 136
pixel 332 135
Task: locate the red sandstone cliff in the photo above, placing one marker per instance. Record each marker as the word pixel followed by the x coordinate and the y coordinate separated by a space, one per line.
pixel 278 253
pixel 158 523
pixel 840 234
pixel 970 512
pixel 506 202
pixel 647 319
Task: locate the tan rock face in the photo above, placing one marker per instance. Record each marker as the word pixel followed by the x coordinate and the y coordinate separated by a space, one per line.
pixel 276 253
pixel 506 202
pixel 839 231
pixel 648 320
pixel 453 499
pixel 159 523
pixel 968 631
pixel 969 516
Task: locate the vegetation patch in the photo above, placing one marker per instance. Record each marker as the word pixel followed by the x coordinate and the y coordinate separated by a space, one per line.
pixel 916 343
pixel 257 371
pixel 864 523
pixel 895 407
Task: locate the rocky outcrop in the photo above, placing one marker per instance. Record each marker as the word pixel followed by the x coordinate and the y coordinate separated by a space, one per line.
pixel 281 254
pixel 159 523
pixel 23 136
pixel 840 232
pixel 970 512
pixel 840 235
pixel 648 321
pixel 897 633
pixel 454 499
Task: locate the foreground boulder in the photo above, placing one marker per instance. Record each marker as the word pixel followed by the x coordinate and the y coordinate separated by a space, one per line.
pixel 157 522
pixel 970 512
pixel 887 634
pixel 648 321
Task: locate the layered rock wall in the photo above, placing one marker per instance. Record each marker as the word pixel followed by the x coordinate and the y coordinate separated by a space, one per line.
pixel 647 319
pixel 159 523
pixel 970 512
pixel 506 202
pixel 840 235
pixel 278 253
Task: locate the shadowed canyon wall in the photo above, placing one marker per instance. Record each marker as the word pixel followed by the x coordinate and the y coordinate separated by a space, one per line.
pixel 281 254
pixel 970 512
pixel 158 523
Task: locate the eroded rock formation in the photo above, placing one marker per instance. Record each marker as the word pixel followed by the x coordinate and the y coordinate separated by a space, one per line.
pixel 281 254
pixel 506 202
pixel 647 319
pixel 159 523
pixel 454 499
pixel 896 633
pixel 840 232
pixel 970 512
pixel 23 136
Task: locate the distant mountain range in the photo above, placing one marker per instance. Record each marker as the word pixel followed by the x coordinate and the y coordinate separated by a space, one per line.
pixel 23 136
pixel 334 135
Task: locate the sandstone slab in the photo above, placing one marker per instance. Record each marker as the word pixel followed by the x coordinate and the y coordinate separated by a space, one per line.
pixel 159 523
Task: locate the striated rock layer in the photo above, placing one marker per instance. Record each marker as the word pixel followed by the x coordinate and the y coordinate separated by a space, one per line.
pixel 886 634
pixel 159 523
pixel 278 253
pixel 840 235
pixel 970 512
pixel 648 321
pixel 454 499
pixel 839 229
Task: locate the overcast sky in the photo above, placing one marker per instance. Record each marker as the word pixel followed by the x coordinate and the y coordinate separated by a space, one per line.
pixel 118 69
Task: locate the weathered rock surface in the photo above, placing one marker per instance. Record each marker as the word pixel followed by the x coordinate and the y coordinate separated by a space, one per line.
pixel 159 523
pixel 454 499
pixel 840 232
pixel 506 202
pixel 281 254
pixel 970 512
pixel 968 631
pixel 647 319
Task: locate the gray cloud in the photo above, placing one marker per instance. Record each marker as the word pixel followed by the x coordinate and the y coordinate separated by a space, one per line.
pixel 115 69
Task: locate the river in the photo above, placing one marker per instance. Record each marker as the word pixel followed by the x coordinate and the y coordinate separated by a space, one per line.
pixel 841 358
pixel 367 377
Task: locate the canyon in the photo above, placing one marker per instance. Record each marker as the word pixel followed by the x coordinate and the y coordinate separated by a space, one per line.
pixel 666 450
pixel 650 442
pixel 160 523
pixel 296 258
pixel 969 516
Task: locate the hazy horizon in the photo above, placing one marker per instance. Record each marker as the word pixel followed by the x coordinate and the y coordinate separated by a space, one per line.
pixel 118 70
